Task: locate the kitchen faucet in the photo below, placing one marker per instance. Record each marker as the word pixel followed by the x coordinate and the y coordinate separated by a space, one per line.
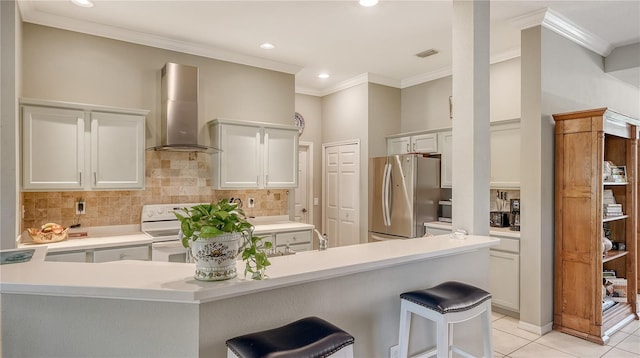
pixel 323 239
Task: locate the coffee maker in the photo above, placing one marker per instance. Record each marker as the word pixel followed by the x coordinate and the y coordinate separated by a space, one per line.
pixel 515 215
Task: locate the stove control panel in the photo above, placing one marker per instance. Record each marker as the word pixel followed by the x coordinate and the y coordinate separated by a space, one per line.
pixel 162 212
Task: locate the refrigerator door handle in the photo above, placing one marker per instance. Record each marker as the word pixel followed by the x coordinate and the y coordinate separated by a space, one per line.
pixel 386 192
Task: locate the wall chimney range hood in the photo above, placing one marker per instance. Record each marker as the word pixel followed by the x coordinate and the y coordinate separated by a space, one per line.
pixel 179 110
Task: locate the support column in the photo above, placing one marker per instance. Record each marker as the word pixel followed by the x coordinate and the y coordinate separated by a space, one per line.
pixel 9 25
pixel 471 150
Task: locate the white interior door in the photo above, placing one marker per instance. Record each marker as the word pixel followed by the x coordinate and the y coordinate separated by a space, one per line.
pixel 303 209
pixel 341 194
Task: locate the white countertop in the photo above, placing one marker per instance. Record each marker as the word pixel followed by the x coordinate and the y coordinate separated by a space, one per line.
pixel 104 240
pixel 89 243
pixel 494 231
pixel 174 282
pixel 277 227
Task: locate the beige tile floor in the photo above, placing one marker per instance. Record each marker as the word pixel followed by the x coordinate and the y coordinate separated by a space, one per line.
pixel 511 342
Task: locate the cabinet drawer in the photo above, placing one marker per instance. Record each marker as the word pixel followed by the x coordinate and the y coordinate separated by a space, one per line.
pixel 78 256
pixel 291 238
pixel 507 245
pixel 300 247
pixel 123 253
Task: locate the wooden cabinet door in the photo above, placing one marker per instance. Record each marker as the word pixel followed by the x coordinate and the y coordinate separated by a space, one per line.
pixel 445 149
pixel 280 153
pixel 117 151
pixel 505 155
pixel 52 148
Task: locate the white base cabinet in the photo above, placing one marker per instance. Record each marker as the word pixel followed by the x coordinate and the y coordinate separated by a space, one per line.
pixel 254 155
pixel 116 253
pixel 141 253
pixel 298 241
pixel 68 146
pixel 504 274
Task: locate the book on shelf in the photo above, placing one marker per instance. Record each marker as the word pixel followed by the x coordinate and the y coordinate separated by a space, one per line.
pixel 608 198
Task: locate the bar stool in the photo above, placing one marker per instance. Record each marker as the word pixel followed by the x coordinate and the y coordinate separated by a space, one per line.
pixel 447 303
pixel 309 337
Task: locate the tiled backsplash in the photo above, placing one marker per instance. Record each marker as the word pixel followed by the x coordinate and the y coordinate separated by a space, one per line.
pixel 171 177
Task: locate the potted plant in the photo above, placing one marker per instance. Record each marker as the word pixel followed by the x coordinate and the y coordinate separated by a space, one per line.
pixel 216 234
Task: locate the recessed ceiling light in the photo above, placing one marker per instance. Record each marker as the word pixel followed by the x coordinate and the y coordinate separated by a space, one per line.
pixel 323 75
pixel 267 46
pixel 83 3
pixel 368 3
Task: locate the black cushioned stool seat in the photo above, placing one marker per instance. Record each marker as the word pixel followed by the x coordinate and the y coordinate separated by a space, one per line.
pixel 309 337
pixel 448 297
pixel 446 304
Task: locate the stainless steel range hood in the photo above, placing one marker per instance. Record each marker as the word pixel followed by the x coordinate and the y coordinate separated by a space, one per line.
pixel 179 112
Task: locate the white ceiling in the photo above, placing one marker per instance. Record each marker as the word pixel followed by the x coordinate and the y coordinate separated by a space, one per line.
pixel 338 37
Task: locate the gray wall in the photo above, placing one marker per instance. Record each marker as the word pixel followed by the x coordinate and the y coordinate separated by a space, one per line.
pixel 70 66
pixel 345 117
pixel 557 76
pixel 384 117
pixel 310 107
pixel 426 106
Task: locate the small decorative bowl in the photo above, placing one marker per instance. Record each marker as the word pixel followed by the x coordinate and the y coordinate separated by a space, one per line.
pixel 40 237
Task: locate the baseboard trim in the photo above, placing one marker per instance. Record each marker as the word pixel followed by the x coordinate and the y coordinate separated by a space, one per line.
pixel 541 330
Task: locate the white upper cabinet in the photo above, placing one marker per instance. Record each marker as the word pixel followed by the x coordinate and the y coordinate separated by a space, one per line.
pixel 424 143
pixel 505 154
pixel 81 149
pixel 238 164
pixel 416 143
pixel 280 166
pixel 52 148
pixel 445 149
pixel 117 151
pixel 254 155
pixel 397 146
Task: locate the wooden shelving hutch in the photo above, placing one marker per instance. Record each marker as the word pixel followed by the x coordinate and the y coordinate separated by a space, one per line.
pixel 584 141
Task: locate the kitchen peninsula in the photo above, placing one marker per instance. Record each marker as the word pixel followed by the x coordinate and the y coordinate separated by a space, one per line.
pixel 157 309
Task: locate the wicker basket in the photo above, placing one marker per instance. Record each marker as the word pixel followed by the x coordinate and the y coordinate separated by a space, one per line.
pixel 40 237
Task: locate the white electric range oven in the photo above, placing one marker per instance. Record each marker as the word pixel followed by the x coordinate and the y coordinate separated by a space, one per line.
pixel 159 222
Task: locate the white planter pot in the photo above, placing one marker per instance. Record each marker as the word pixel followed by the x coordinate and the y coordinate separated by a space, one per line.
pixel 215 257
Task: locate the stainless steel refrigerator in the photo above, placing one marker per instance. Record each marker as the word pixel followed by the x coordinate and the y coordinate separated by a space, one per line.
pixel 404 191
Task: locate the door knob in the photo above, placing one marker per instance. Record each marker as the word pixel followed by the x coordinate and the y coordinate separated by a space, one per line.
pixel 304 210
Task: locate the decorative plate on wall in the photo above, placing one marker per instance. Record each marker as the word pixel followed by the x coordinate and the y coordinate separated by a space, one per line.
pixel 299 122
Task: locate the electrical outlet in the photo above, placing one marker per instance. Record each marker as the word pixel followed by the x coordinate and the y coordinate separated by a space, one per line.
pixel 80 208
pixel 393 352
pixel 252 202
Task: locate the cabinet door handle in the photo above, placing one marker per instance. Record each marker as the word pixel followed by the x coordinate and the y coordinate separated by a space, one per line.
pixel 95 178
pixel 407 147
pixel 80 173
pixel 414 147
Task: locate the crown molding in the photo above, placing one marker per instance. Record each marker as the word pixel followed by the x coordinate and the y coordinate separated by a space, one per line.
pixel 308 91
pixel 564 27
pixel 426 77
pixel 31 15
